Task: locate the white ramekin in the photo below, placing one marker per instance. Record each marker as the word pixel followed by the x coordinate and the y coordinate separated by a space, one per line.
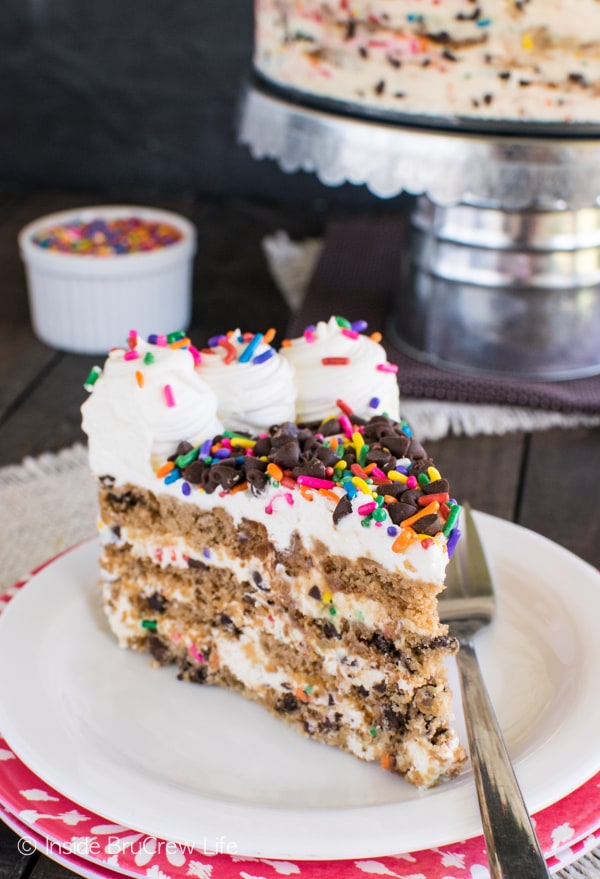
pixel 88 304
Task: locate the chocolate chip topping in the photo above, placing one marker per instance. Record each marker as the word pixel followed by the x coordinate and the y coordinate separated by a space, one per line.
pixel 394 464
pixel 343 508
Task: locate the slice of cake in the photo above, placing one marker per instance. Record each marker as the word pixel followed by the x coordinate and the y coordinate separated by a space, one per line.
pixel 298 564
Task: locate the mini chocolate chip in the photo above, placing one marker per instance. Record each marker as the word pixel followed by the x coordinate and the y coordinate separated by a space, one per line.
pixel 157 602
pixel 252 463
pixel 397 445
pixel 428 525
pixel 225 475
pixel 281 434
pixel 286 704
pixel 194 472
pixel 315 593
pixel 411 496
pixel 401 511
pixel 195 674
pixel 287 455
pixel 327 456
pixel 227 623
pixel 416 450
pixel 123 501
pixel 392 720
pixel 183 448
pixel 196 563
pixel 259 582
pixel 330 631
pixel 329 427
pixel 440 37
pixel 438 486
pixel 310 467
pixel 343 508
pixel 394 489
pixel 158 649
pixel 262 446
pixel 257 481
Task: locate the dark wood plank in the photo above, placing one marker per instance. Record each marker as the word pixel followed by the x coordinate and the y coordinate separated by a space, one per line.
pixel 46 868
pixel 22 356
pixel 485 470
pixel 15 863
pixel 48 419
pixel 560 489
pixel 233 286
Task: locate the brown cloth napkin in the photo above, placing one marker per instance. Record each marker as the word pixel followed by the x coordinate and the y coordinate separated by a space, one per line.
pixel 356 276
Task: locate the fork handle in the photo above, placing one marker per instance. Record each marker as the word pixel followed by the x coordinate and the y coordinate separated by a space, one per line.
pixel 512 847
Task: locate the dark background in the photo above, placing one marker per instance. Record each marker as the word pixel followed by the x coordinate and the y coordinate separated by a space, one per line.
pixel 136 97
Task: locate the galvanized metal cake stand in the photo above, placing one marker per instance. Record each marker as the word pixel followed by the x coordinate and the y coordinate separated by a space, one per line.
pixel 504 269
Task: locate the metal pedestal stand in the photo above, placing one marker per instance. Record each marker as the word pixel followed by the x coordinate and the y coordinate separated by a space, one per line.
pixel 504 269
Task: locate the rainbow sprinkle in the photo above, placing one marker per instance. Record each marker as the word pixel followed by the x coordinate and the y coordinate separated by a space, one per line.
pixel 107 237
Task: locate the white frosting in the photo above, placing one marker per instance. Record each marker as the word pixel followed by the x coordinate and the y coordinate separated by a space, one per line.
pixel 252 396
pixel 359 383
pixel 132 430
pixel 130 427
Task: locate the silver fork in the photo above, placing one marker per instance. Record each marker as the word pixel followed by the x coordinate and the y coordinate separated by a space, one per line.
pixel 468 605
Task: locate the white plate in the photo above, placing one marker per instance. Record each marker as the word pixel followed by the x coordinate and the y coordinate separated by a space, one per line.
pixel 204 767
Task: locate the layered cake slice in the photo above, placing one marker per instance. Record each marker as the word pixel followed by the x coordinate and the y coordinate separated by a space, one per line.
pixel 298 562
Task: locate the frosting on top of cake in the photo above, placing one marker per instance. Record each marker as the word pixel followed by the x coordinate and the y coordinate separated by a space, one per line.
pixel 152 422
pixel 144 401
pixel 253 383
pixel 335 360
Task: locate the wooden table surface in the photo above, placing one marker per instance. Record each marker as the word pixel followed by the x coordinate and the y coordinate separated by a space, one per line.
pixel 547 481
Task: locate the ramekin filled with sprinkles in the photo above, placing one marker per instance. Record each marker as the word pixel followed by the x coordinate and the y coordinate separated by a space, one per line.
pixel 93 273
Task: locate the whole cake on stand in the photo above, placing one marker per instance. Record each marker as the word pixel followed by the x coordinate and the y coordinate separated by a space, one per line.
pixel 489 113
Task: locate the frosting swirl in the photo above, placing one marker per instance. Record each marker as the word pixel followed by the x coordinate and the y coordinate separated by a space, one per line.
pixel 253 383
pixel 334 361
pixel 144 403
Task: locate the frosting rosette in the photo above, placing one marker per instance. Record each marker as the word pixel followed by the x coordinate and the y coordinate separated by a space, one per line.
pixel 253 383
pixel 334 360
pixel 150 397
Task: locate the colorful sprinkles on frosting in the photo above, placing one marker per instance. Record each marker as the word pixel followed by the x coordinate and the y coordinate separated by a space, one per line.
pixel 375 461
pixel 102 237
pixel 251 343
pixel 352 330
